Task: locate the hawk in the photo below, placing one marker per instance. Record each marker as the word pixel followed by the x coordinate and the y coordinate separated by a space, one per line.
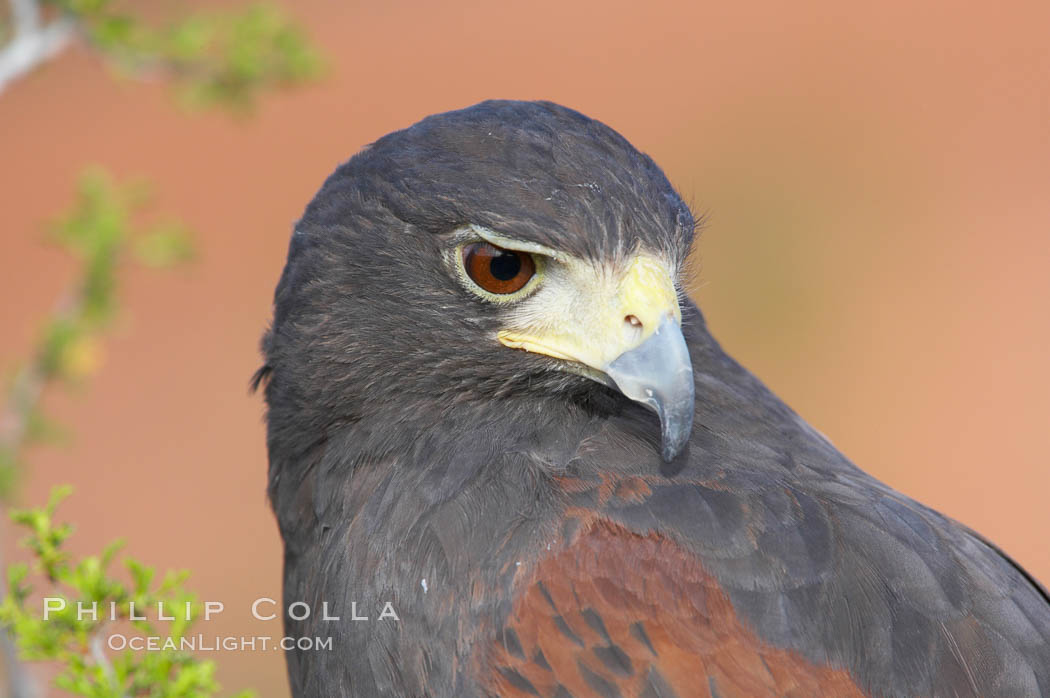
pixel 493 411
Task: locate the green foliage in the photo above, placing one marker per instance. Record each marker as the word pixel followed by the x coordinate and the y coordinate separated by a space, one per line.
pixel 78 644
pixel 102 231
pixel 215 58
pixel 223 58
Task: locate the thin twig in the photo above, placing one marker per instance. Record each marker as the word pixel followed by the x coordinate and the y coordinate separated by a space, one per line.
pixel 29 382
pixel 33 42
pixel 25 394
pixel 26 14
pixel 18 683
pixel 101 660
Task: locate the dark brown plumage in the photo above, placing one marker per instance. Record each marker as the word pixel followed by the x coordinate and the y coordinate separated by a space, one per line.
pixel 536 529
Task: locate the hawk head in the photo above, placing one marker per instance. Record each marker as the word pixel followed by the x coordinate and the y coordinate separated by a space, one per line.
pixel 506 254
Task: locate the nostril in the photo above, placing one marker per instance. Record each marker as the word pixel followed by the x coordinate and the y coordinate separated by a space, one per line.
pixel 633 321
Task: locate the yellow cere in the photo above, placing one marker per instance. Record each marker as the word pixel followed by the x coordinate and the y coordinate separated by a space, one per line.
pixel 648 289
pixel 594 329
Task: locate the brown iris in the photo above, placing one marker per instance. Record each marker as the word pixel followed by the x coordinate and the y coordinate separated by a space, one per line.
pixel 496 269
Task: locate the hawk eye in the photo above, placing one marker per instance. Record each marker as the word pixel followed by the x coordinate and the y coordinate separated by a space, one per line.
pixel 496 269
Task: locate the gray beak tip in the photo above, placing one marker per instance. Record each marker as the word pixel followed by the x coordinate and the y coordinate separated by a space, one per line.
pixel 659 373
pixel 676 429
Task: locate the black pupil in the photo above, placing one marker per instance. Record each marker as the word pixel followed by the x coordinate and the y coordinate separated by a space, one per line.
pixel 505 266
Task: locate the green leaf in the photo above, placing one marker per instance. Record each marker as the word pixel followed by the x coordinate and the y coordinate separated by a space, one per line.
pixel 164 246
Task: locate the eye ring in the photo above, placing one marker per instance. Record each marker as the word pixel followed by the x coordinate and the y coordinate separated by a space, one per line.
pixel 498 271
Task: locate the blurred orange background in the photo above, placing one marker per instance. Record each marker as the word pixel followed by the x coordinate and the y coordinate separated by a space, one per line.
pixel 878 246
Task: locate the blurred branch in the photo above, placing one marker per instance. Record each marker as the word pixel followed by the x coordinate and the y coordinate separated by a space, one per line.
pixel 221 58
pixel 217 58
pixel 33 42
pixel 100 231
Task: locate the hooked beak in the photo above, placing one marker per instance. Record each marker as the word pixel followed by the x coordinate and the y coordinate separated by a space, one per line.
pixel 628 333
pixel 659 374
